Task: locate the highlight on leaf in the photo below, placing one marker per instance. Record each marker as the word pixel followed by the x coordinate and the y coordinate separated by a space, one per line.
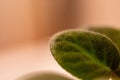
pixel 85 54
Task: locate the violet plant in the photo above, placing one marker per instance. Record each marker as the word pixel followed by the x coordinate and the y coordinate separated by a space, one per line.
pixel 91 54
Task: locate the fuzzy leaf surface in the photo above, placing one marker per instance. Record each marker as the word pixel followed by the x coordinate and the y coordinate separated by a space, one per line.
pixel 113 34
pixel 85 54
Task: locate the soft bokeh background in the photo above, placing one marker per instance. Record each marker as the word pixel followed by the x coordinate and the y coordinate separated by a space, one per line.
pixel 27 25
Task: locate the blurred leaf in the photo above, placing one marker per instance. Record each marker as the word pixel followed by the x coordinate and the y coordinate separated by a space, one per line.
pixel 85 54
pixel 44 76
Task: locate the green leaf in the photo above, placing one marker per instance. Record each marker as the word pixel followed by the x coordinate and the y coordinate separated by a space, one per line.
pixel 113 34
pixel 85 54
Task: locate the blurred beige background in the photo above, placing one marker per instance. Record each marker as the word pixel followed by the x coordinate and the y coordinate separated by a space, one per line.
pixel 27 25
pixel 16 21
pixel 28 20
pixel 99 12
